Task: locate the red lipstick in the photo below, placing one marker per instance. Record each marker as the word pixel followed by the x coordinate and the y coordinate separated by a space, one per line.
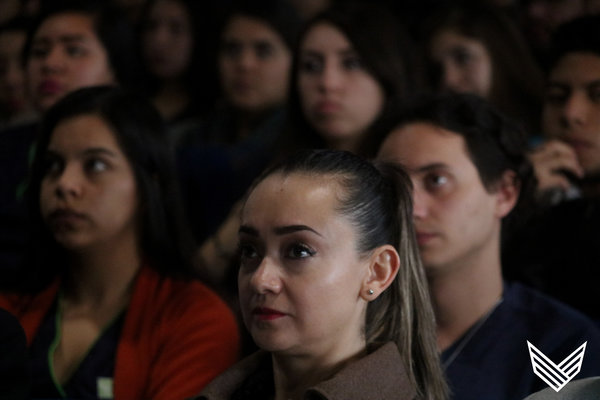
pixel 267 314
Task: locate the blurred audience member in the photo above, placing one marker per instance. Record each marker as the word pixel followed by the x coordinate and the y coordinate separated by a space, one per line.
pixel 78 44
pixel 570 159
pixel 173 53
pixel 235 143
pixel 476 49
pixel 15 105
pixel 557 250
pixel 353 62
pixel 9 9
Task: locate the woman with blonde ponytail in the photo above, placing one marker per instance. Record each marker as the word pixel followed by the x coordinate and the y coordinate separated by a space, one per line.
pixel 331 286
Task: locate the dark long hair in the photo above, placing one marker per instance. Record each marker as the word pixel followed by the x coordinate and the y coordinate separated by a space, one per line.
pixel 377 199
pixel 384 48
pixel 140 133
pixel 581 35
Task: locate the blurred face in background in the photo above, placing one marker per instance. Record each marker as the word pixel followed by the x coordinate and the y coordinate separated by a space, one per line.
pixel 465 64
pixel 254 65
pixel 572 106
pixel 339 97
pixel 167 39
pixel 65 55
pixel 13 93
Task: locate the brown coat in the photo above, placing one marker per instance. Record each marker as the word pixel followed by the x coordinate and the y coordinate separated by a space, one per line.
pixel 379 376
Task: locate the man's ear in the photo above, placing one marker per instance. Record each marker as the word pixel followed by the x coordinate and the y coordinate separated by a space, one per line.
pixel 507 193
pixel 384 263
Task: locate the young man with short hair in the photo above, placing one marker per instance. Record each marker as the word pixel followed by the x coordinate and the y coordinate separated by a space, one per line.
pixel 468 167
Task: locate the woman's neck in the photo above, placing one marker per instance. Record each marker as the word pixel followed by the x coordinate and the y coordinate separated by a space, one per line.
pixel 294 375
pixel 102 275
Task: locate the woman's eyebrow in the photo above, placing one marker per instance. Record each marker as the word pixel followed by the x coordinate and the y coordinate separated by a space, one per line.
pixel 283 230
pixel 294 228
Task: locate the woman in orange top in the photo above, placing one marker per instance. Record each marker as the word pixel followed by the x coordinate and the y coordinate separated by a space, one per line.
pixel 107 303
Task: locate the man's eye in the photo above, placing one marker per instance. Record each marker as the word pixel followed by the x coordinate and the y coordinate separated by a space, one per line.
pixel 436 181
pixel 299 251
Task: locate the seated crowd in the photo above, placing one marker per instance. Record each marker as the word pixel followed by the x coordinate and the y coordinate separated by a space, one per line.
pixel 279 199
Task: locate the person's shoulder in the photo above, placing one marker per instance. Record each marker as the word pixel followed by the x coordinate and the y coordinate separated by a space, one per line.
pixel 20 303
pixel 537 305
pixel 552 326
pixel 379 375
pixel 223 386
pixel 177 293
pixel 582 389
pixel 547 321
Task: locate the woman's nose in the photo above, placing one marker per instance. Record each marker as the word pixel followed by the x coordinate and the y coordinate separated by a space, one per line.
pixel 266 277
pixel 69 182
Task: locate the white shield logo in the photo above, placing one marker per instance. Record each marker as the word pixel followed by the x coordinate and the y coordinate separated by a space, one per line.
pixel 556 376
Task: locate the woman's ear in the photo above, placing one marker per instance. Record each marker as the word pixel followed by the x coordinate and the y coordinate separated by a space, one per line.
pixel 384 263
